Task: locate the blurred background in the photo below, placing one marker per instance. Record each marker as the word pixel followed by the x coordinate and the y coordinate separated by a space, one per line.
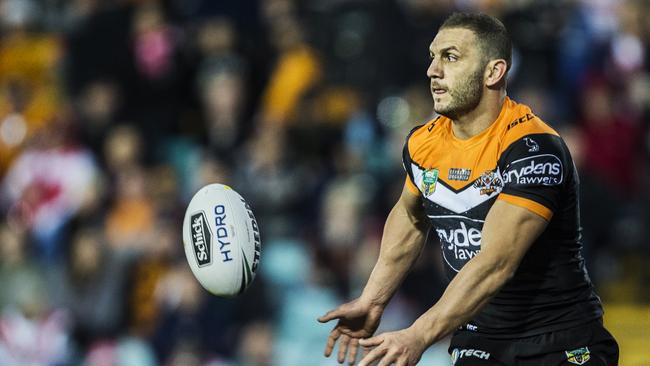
pixel 113 113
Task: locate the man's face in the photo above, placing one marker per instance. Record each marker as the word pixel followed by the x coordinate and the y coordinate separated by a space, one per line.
pixel 456 72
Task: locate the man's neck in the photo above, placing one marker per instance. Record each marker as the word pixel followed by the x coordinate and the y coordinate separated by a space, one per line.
pixel 481 117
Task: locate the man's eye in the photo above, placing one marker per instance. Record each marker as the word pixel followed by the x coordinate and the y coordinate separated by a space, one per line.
pixel 451 57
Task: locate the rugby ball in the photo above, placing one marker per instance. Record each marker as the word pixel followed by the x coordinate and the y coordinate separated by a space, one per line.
pixel 221 240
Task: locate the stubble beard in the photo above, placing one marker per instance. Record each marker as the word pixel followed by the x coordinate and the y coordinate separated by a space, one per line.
pixel 465 97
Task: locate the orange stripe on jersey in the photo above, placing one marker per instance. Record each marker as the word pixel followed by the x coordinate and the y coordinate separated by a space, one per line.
pixel 435 148
pixel 411 186
pixel 533 206
pixel 461 162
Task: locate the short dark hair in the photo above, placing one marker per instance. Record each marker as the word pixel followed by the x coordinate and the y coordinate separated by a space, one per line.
pixel 492 35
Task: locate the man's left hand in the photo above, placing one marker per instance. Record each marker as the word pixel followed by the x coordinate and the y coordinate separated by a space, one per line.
pixel 402 348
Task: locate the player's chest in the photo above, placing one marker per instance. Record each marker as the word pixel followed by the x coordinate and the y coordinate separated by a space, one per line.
pixel 459 180
pixel 458 190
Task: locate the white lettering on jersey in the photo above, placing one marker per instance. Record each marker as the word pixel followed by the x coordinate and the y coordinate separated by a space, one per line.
pixel 545 169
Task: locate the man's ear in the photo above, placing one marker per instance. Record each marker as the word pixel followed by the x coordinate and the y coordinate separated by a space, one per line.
pixel 495 72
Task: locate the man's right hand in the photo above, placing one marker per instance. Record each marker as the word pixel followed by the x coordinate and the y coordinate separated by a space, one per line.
pixel 357 319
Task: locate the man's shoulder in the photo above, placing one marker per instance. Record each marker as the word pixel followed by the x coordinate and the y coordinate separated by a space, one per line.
pixel 425 131
pixel 521 122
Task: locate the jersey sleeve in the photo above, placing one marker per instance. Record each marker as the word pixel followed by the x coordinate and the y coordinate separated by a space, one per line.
pixel 534 170
pixel 407 163
pixel 411 186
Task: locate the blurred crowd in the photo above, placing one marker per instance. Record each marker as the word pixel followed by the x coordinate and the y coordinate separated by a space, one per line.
pixel 113 113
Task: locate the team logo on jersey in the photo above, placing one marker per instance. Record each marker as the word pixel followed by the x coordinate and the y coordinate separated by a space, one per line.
pixel 429 180
pixel 578 356
pixel 488 183
pixel 532 144
pixel 459 174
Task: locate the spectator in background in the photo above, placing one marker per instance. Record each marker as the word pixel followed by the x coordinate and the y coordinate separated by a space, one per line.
pixel 130 220
pixel 130 216
pixel 182 325
pixel 91 287
pixel 30 92
pixel 222 82
pixel 297 67
pixel 256 346
pixel 158 87
pixel 33 331
pixel 343 221
pixel 97 108
pixel 125 351
pixel 19 277
pixel 148 274
pixel 273 184
pixel 612 136
pixel 47 184
pixel 122 149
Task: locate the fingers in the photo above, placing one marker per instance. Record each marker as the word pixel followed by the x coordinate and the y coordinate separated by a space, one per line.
pixel 347 345
pixel 372 341
pixel 331 341
pixel 365 352
pixel 374 355
pixel 343 347
pixel 388 358
pixel 352 351
pixel 402 361
pixel 332 314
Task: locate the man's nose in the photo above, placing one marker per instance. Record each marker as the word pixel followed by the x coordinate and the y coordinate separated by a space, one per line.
pixel 434 70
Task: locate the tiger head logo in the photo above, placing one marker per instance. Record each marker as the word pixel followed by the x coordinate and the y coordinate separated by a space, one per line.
pixel 488 183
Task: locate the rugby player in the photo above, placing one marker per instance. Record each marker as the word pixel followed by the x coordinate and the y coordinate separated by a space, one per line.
pixel 498 187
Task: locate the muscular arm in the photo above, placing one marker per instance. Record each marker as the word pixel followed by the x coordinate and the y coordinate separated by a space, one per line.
pixel 401 243
pixel 507 234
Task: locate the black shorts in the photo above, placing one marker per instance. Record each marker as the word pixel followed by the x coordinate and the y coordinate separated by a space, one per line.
pixel 590 344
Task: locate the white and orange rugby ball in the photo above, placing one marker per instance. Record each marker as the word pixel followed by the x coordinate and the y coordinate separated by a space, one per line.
pixel 222 240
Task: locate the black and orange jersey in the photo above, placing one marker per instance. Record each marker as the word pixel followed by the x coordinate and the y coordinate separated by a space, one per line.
pixel 521 160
